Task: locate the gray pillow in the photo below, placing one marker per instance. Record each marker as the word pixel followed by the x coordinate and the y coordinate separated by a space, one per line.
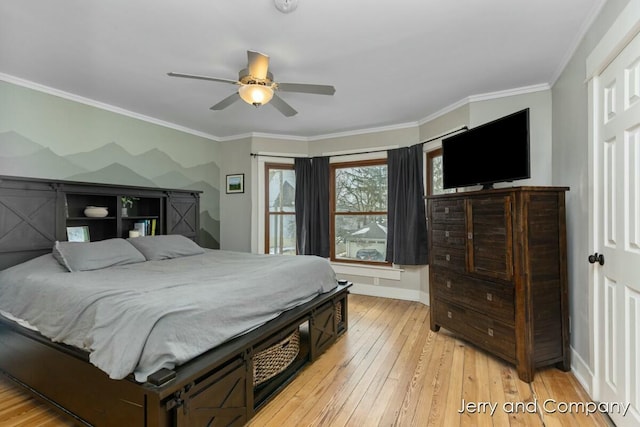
pixel 165 246
pixel 83 256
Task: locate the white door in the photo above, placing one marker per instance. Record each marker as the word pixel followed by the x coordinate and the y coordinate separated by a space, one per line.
pixel 616 156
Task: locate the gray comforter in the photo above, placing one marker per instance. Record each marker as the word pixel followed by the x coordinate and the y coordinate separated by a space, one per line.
pixel 159 314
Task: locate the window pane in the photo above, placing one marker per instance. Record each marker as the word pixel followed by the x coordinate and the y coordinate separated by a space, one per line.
pixel 361 237
pixel 361 189
pixel 436 176
pixel 282 234
pixel 282 190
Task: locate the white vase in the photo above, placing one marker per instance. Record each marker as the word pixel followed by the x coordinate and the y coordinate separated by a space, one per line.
pixel 95 212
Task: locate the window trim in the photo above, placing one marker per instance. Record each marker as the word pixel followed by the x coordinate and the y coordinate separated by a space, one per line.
pixel 333 213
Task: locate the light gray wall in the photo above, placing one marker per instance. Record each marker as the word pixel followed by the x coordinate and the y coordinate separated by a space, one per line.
pixel 235 212
pixel 540 138
pixel 479 112
pixel 570 167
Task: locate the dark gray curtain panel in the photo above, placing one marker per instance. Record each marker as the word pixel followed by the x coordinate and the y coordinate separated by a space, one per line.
pixel 312 206
pixel 407 242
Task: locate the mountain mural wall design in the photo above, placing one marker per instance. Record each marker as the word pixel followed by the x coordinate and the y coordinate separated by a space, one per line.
pixel 113 164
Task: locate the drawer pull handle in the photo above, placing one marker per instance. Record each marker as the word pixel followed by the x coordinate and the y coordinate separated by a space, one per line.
pixel 447 257
pixel 449 284
pixel 489 297
pixel 449 315
pixel 490 332
pixel 446 210
pixel 446 233
pixel 470 236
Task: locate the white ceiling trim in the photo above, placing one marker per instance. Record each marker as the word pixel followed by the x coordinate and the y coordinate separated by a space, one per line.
pixel 509 92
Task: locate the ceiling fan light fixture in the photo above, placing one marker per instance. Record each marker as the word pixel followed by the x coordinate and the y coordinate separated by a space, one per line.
pixel 255 94
pixel 286 6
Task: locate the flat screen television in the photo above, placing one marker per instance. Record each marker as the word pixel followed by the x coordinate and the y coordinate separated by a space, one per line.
pixel 497 151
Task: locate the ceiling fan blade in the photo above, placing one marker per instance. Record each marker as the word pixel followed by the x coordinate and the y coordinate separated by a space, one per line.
pixel 195 76
pixel 282 106
pixel 258 64
pixel 306 88
pixel 226 102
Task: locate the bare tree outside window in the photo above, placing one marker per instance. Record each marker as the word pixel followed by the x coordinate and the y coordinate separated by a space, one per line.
pixel 359 211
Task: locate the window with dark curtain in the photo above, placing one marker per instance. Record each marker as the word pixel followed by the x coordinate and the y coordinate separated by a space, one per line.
pixel 407 242
pixel 358 209
pixel 312 206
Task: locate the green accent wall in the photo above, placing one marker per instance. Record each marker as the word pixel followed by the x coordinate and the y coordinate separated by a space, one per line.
pixel 46 136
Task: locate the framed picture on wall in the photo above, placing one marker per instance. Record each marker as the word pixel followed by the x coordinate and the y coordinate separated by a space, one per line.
pixel 235 183
pixel 78 234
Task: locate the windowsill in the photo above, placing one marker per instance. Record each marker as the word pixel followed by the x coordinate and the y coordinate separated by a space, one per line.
pixel 368 270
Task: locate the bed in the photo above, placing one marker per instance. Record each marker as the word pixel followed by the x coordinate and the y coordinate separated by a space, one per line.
pixel 158 331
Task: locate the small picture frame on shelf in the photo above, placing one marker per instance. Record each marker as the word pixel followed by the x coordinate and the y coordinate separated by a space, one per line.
pixel 78 234
pixel 235 183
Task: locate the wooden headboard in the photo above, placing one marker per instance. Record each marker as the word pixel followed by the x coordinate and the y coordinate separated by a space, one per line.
pixel 33 213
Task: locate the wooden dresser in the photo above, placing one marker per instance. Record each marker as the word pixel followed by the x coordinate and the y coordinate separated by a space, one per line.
pixel 498 273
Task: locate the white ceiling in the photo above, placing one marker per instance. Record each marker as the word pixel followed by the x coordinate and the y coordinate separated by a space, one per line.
pixel 391 62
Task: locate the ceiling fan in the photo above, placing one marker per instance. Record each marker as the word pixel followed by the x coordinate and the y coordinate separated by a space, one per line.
pixel 258 88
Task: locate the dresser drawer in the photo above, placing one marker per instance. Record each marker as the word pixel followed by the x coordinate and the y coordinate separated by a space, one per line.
pixel 448 235
pixel 487 333
pixel 448 257
pixel 495 299
pixel 447 211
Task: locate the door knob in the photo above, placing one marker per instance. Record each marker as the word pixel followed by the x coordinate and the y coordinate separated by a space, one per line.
pixel 599 258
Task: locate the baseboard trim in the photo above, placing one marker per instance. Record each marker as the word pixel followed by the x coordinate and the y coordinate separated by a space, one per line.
pixel 390 292
pixel 581 370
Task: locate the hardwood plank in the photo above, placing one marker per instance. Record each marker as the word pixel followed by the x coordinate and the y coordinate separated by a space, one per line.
pixel 337 411
pixel 450 415
pixel 388 369
pixel 399 378
pixel 403 374
pixel 371 385
pixel 497 392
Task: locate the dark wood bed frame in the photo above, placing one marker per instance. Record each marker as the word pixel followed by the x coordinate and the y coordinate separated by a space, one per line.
pixel 213 389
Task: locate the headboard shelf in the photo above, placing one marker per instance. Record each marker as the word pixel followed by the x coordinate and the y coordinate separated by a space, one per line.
pixel 34 213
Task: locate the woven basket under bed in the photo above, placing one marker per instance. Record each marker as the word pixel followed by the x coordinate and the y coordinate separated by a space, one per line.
pixel 272 360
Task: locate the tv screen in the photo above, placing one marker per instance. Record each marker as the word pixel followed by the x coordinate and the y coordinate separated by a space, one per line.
pixel 497 151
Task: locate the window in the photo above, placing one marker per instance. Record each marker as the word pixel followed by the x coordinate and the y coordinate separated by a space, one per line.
pixel 434 173
pixel 280 220
pixel 358 208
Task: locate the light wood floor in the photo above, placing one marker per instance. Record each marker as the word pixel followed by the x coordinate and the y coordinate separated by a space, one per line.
pixel 389 369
